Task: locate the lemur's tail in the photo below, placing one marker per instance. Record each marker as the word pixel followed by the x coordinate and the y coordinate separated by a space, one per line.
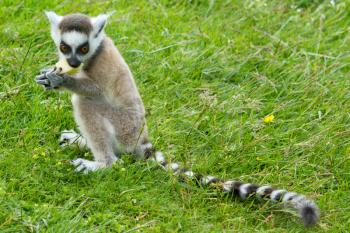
pixel 307 209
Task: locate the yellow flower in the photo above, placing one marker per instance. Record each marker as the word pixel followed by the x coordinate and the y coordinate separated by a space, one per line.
pixel 259 158
pixel 269 118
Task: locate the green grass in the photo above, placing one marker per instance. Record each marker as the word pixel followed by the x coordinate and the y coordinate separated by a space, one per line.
pixel 208 72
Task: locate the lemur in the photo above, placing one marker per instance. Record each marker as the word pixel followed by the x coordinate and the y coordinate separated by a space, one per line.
pixel 111 116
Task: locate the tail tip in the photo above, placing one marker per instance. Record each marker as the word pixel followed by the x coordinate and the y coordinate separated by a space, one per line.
pixel 310 215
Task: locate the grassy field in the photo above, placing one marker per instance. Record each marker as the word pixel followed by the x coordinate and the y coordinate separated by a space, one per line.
pixel 209 72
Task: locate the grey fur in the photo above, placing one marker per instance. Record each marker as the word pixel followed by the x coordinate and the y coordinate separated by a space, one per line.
pixel 76 22
pixel 107 106
pixel 89 63
pixel 310 214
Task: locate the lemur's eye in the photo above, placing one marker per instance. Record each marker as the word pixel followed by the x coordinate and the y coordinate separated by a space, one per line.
pixel 84 49
pixel 64 48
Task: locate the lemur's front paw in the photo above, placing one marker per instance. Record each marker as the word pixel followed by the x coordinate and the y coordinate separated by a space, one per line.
pixel 50 80
pixel 42 79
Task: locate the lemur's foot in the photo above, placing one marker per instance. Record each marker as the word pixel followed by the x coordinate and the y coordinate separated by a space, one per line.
pixel 86 166
pixel 70 137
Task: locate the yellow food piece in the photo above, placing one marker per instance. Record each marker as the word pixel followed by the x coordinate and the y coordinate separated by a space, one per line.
pixel 63 67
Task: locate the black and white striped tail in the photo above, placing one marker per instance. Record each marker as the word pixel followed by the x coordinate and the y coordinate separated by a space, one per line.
pixel 307 209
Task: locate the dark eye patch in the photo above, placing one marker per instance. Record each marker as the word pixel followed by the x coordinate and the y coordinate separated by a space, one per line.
pixel 65 48
pixel 83 48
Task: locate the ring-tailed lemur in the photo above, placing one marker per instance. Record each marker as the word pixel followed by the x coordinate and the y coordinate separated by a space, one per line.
pixel 110 114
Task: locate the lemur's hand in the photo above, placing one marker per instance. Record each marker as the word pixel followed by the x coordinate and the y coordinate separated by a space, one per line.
pixel 50 79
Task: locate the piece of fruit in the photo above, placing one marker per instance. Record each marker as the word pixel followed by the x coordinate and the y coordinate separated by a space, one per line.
pixel 62 67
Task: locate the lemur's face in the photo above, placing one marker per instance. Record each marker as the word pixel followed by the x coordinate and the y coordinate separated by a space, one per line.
pixel 74 47
pixel 76 36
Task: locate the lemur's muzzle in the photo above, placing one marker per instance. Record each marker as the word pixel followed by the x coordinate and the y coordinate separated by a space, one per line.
pixel 73 62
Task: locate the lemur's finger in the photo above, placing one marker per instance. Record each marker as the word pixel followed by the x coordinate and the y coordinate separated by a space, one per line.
pixel 41 76
pixel 86 171
pixel 80 168
pixel 43 81
pixel 76 162
pixel 64 143
pixel 53 77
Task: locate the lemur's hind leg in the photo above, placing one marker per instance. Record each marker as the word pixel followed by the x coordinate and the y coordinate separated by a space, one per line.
pixel 99 135
pixel 130 127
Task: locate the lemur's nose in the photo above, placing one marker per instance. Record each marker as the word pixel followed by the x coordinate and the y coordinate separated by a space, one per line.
pixel 73 62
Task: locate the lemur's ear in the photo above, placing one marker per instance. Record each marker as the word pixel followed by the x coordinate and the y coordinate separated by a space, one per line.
pixel 99 23
pixel 54 20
